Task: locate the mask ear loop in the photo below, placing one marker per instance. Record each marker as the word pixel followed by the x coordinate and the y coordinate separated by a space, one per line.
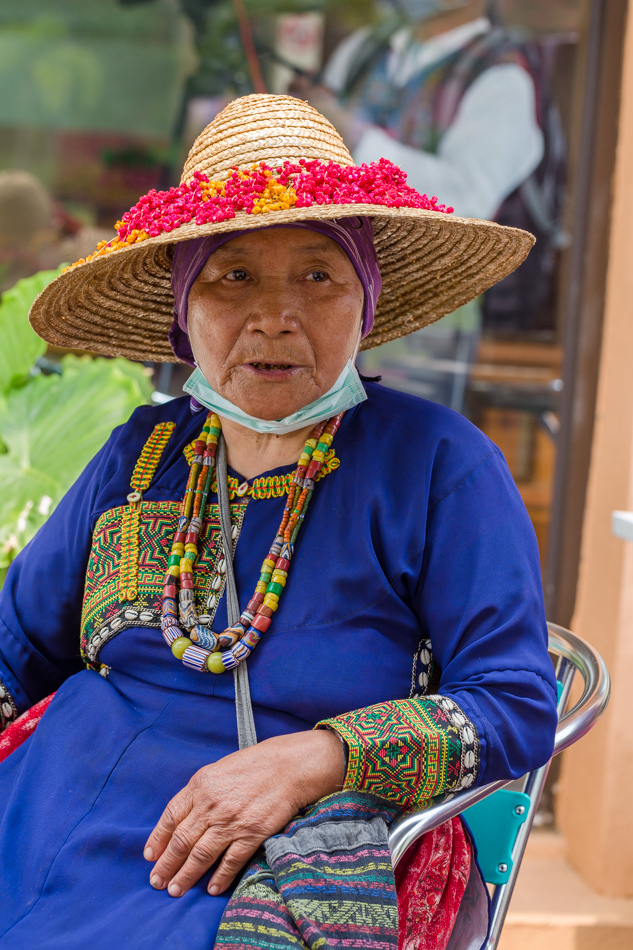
pixel 358 343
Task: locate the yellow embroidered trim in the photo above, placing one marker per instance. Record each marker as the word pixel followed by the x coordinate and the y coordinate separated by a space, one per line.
pixel 142 475
pixel 128 575
pixel 273 486
pixel 151 455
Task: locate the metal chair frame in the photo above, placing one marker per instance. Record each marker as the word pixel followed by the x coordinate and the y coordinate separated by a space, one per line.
pixel 574 655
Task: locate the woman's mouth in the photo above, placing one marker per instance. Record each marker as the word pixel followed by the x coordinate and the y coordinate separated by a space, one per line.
pixel 273 371
pixel 269 366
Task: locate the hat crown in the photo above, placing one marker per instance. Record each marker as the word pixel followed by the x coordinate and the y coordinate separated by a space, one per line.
pixel 264 128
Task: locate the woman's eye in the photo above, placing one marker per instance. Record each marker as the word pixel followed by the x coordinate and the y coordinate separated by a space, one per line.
pixel 318 276
pixel 236 274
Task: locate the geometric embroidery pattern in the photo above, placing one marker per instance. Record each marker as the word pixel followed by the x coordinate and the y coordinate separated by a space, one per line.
pixel 408 750
pixel 104 613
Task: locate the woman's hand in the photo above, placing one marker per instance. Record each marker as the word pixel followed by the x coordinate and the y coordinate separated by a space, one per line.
pixel 233 805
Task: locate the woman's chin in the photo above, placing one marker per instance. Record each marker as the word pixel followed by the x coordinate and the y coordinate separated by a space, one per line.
pixel 273 400
pixel 270 411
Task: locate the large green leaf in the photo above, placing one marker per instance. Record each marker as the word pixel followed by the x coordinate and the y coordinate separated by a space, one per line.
pixel 51 428
pixel 20 345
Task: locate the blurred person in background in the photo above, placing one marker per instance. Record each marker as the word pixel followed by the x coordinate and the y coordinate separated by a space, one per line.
pixel 462 105
pixel 36 233
pixel 26 225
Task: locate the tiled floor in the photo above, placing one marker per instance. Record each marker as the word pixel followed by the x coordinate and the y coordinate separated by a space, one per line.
pixel 553 909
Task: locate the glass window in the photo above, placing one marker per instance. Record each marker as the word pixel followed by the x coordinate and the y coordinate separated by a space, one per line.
pixel 100 102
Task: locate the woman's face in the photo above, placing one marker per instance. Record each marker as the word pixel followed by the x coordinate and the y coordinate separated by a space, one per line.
pixel 273 317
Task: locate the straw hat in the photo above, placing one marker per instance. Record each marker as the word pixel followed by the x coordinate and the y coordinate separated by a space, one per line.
pixel 119 302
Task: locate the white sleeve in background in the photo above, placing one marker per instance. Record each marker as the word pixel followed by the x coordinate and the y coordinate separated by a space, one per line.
pixel 492 146
pixel 335 74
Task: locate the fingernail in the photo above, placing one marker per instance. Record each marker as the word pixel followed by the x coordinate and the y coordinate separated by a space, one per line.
pixel 148 854
pixel 214 890
pixel 175 889
pixel 156 881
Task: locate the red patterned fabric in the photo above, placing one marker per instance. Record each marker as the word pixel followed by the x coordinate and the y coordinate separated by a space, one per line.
pixel 431 880
pixel 15 734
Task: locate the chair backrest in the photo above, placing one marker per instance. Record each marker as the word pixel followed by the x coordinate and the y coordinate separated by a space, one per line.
pixel 501 819
pixel 494 823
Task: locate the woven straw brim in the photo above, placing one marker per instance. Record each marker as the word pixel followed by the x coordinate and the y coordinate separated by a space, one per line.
pixel 431 263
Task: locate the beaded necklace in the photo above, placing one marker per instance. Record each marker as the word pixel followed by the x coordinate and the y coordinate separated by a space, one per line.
pixel 204 650
pixel 270 486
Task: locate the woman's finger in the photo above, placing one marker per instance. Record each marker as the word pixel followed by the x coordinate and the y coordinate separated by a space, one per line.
pixel 175 812
pixel 203 854
pixel 181 844
pixel 231 864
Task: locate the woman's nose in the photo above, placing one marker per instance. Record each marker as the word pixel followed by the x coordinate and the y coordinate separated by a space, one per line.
pixel 276 308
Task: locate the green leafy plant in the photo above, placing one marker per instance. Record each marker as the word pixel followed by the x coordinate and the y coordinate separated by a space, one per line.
pixel 50 425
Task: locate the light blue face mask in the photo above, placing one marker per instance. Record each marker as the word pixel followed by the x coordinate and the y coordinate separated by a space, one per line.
pixel 346 392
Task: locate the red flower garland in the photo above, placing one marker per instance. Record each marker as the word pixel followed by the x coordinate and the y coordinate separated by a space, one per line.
pixel 261 189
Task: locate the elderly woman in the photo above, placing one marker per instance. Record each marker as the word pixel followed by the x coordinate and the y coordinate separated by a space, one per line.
pixel 363 554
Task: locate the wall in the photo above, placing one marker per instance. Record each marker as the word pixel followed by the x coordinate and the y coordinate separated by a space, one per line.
pixel 594 808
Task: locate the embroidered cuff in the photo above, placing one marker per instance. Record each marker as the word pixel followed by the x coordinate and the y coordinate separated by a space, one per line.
pixel 8 709
pixel 408 750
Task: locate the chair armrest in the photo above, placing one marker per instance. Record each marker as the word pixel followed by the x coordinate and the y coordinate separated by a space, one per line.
pixel 575 655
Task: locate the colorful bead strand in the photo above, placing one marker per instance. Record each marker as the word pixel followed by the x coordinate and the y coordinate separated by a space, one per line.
pixel 180 603
pixel 204 650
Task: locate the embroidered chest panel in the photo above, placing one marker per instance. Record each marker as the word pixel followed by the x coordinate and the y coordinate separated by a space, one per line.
pixel 111 603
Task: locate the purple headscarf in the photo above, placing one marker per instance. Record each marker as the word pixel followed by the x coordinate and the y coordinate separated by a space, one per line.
pixel 354 235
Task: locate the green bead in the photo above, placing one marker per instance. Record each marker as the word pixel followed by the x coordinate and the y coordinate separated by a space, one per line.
pixel 190 555
pixel 275 588
pixel 322 447
pixel 214 663
pixel 215 430
pixel 179 646
pixel 173 559
pixel 265 577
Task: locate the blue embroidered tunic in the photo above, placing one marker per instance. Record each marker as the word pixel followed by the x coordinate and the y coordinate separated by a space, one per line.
pixel 417 543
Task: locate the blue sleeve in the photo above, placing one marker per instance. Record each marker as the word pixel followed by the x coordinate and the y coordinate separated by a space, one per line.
pixel 40 602
pixel 480 599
